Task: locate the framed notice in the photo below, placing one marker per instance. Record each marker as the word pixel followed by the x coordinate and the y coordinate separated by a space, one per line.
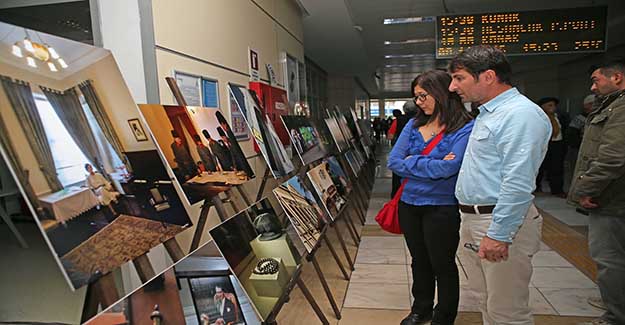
pixel 190 87
pixel 239 126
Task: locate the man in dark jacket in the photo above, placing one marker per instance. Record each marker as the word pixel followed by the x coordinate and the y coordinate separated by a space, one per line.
pixel 182 156
pixel 205 155
pixel 599 186
pixel 233 145
pixel 223 155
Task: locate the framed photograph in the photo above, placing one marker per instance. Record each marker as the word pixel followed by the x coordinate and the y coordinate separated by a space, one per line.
pixel 137 130
pixel 305 138
pixel 237 110
pixel 216 301
pixel 330 186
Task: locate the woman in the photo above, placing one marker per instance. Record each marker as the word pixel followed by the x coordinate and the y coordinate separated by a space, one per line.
pixel 428 210
pixel 100 186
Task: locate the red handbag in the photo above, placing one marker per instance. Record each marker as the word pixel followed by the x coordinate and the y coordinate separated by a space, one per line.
pixel 388 217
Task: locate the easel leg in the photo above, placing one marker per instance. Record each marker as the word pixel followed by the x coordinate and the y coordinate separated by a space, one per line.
pixel 7 219
pixel 102 292
pixel 349 259
pixel 244 196
pixel 233 202
pixel 350 230
pixel 325 286
pixel 336 257
pixel 351 224
pixel 174 250
pixel 311 301
pixel 144 268
pixel 261 189
pixel 201 223
pixel 360 213
pixel 219 207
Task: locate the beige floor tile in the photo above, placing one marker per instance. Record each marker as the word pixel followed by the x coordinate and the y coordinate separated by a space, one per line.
pixel 379 274
pixel 560 278
pixel 361 316
pixel 377 295
pixel 572 302
pixel 549 259
pixel 381 242
pixel 539 304
pixel 381 256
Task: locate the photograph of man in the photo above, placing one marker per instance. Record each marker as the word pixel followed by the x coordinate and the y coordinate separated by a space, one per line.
pixel 186 167
pixel 220 152
pixel 227 307
pixel 233 145
pixel 100 186
pixel 205 154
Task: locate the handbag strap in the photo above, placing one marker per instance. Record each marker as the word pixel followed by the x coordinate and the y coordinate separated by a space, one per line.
pixel 425 152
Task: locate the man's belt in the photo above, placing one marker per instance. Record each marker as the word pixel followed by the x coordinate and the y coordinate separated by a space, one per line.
pixel 477 209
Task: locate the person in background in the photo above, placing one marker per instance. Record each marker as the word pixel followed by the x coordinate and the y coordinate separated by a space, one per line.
pixel 501 227
pixel 410 110
pixel 377 129
pixel 428 210
pixel 599 187
pixel 553 165
pixel 392 130
pixel 182 157
pixel 575 132
pixel 100 186
pixel 205 155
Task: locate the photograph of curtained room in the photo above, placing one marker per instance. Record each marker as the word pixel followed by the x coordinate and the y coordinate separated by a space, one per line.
pixel 200 148
pixel 199 290
pixel 71 137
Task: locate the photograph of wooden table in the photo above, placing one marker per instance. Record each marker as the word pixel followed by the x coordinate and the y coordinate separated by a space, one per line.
pixel 69 203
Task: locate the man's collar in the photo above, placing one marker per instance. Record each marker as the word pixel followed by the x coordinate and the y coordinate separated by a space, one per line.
pixel 492 104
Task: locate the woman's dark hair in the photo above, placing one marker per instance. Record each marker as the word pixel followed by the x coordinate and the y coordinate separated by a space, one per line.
pixel 480 58
pixel 448 105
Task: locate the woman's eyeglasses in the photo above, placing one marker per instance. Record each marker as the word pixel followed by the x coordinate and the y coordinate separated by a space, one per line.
pixel 422 97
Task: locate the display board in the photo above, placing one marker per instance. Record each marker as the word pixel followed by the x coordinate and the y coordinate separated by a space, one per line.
pixel 573 30
pixel 331 185
pixel 305 138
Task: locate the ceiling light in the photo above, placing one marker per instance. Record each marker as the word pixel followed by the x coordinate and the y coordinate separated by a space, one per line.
pixel 406 56
pixel 409 20
pixel 395 65
pixel 31 62
pixel 52 67
pixel 17 51
pixel 62 63
pixel 53 53
pixel 28 45
pixel 410 41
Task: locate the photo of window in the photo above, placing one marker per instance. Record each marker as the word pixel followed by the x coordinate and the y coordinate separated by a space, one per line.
pixel 304 138
pixel 261 252
pixel 100 197
pixel 199 146
pixel 300 206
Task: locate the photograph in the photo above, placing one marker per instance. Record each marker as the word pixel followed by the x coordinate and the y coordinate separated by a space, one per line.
pixel 302 209
pixel 330 188
pixel 99 193
pixel 263 132
pixel 199 146
pixel 342 121
pixel 353 162
pixel 239 127
pixel 199 290
pixel 305 138
pixel 337 134
pixel 359 141
pixel 261 252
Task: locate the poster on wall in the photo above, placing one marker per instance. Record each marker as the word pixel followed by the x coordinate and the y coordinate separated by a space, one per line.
pixel 261 252
pixel 100 196
pixel 190 87
pixel 291 79
pixel 199 146
pixel 239 126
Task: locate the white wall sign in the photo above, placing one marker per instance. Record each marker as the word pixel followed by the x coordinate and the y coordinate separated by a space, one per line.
pixel 272 75
pixel 253 58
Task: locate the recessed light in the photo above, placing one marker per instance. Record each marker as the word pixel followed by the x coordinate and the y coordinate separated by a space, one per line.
pixel 409 20
pixel 410 41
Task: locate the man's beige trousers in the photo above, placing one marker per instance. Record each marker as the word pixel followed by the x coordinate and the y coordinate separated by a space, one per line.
pixel 503 287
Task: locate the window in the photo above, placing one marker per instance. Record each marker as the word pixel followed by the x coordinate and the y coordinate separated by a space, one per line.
pixel 390 105
pixel 68 158
pixel 112 162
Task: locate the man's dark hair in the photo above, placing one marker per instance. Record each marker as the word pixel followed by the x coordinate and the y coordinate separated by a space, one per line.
pixel 608 68
pixel 480 58
pixel 397 112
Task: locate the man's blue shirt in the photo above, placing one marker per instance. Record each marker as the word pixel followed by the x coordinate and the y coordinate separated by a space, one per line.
pixel 505 150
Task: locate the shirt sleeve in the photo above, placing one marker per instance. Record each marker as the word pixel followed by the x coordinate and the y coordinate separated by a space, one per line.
pixel 400 151
pixel 610 161
pixel 521 144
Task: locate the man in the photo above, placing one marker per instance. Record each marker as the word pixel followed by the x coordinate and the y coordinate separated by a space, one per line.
pixel 224 160
pixel 599 186
pixel 182 157
pixel 553 164
pixel 495 184
pixel 226 305
pixel 205 155
pixel 575 132
pixel 239 157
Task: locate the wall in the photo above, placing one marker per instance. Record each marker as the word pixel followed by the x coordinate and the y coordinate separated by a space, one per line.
pixel 341 91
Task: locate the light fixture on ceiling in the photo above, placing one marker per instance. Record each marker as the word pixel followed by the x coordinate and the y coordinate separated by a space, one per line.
pixel 38 50
pixel 410 41
pixel 407 56
pixel 409 20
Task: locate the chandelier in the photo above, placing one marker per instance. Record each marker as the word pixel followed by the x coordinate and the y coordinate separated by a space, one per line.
pixel 32 50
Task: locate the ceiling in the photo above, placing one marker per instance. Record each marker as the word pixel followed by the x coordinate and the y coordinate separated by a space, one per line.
pixel 348 37
pixel 77 55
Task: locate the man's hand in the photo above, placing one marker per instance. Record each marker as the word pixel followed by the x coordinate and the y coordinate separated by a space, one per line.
pixel 587 203
pixel 493 250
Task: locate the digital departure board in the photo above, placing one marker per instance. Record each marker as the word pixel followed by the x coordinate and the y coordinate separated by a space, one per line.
pixel 523 33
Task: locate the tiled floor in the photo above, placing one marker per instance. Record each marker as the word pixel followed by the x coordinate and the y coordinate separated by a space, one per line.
pixel 382 278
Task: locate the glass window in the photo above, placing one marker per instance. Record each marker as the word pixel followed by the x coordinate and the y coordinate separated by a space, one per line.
pixel 68 158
